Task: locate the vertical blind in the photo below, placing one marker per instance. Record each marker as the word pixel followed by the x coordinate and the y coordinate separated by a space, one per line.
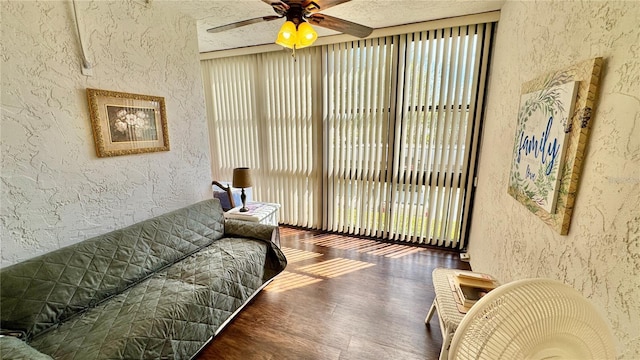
pixel 375 137
pixel 358 103
pixel 402 128
pixel 264 114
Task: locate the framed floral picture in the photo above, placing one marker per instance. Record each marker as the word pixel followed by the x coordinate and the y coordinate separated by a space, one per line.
pixel 554 119
pixel 126 123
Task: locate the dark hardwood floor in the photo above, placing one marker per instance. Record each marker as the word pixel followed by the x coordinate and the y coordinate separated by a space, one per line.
pixel 340 297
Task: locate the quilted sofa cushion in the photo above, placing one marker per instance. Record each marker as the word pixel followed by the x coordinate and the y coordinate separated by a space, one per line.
pixel 39 293
pixel 171 314
pixel 17 349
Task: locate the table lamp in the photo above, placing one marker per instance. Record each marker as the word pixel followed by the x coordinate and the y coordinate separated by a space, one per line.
pixel 242 179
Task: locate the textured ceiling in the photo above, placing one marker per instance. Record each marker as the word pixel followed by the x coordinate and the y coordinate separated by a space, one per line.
pixel 372 13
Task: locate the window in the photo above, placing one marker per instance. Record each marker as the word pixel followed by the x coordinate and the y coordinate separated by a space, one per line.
pixel 263 114
pixel 375 137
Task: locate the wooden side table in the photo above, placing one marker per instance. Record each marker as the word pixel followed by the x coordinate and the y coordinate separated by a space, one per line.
pixel 260 212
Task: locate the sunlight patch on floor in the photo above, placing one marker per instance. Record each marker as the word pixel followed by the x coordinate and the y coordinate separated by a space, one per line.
pixel 371 247
pixel 340 242
pixel 315 273
pixel 295 255
pixel 335 267
pixel 288 280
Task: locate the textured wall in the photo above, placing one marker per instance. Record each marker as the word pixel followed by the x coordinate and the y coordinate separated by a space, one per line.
pixel 54 190
pixel 601 255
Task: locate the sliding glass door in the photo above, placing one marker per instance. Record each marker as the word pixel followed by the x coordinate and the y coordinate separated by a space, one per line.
pixel 359 101
pixel 401 117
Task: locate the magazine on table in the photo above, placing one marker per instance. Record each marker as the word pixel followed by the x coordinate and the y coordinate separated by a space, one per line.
pixel 471 287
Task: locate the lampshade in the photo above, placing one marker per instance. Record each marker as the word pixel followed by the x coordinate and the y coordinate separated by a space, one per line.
pixel 287 36
pixel 241 178
pixel 306 35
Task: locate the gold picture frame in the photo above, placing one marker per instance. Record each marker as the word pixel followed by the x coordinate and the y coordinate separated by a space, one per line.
pixel 125 123
pixel 586 76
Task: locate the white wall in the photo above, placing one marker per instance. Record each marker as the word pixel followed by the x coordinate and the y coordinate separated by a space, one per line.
pixel 54 190
pixel 601 255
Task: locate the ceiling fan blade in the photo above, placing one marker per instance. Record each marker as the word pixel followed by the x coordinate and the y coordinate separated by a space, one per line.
pixel 280 7
pixel 343 26
pixel 313 6
pixel 242 23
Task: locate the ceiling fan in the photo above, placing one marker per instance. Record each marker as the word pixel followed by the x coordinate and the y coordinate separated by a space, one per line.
pixel 296 32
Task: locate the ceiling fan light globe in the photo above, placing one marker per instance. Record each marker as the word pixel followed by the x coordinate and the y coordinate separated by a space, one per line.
pixel 306 35
pixel 287 36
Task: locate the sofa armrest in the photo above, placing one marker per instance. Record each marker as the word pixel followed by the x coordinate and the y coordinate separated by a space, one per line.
pixel 267 233
pixel 14 348
pixel 252 230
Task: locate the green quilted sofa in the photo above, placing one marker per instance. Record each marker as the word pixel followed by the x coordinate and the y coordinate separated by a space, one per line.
pixel 159 289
